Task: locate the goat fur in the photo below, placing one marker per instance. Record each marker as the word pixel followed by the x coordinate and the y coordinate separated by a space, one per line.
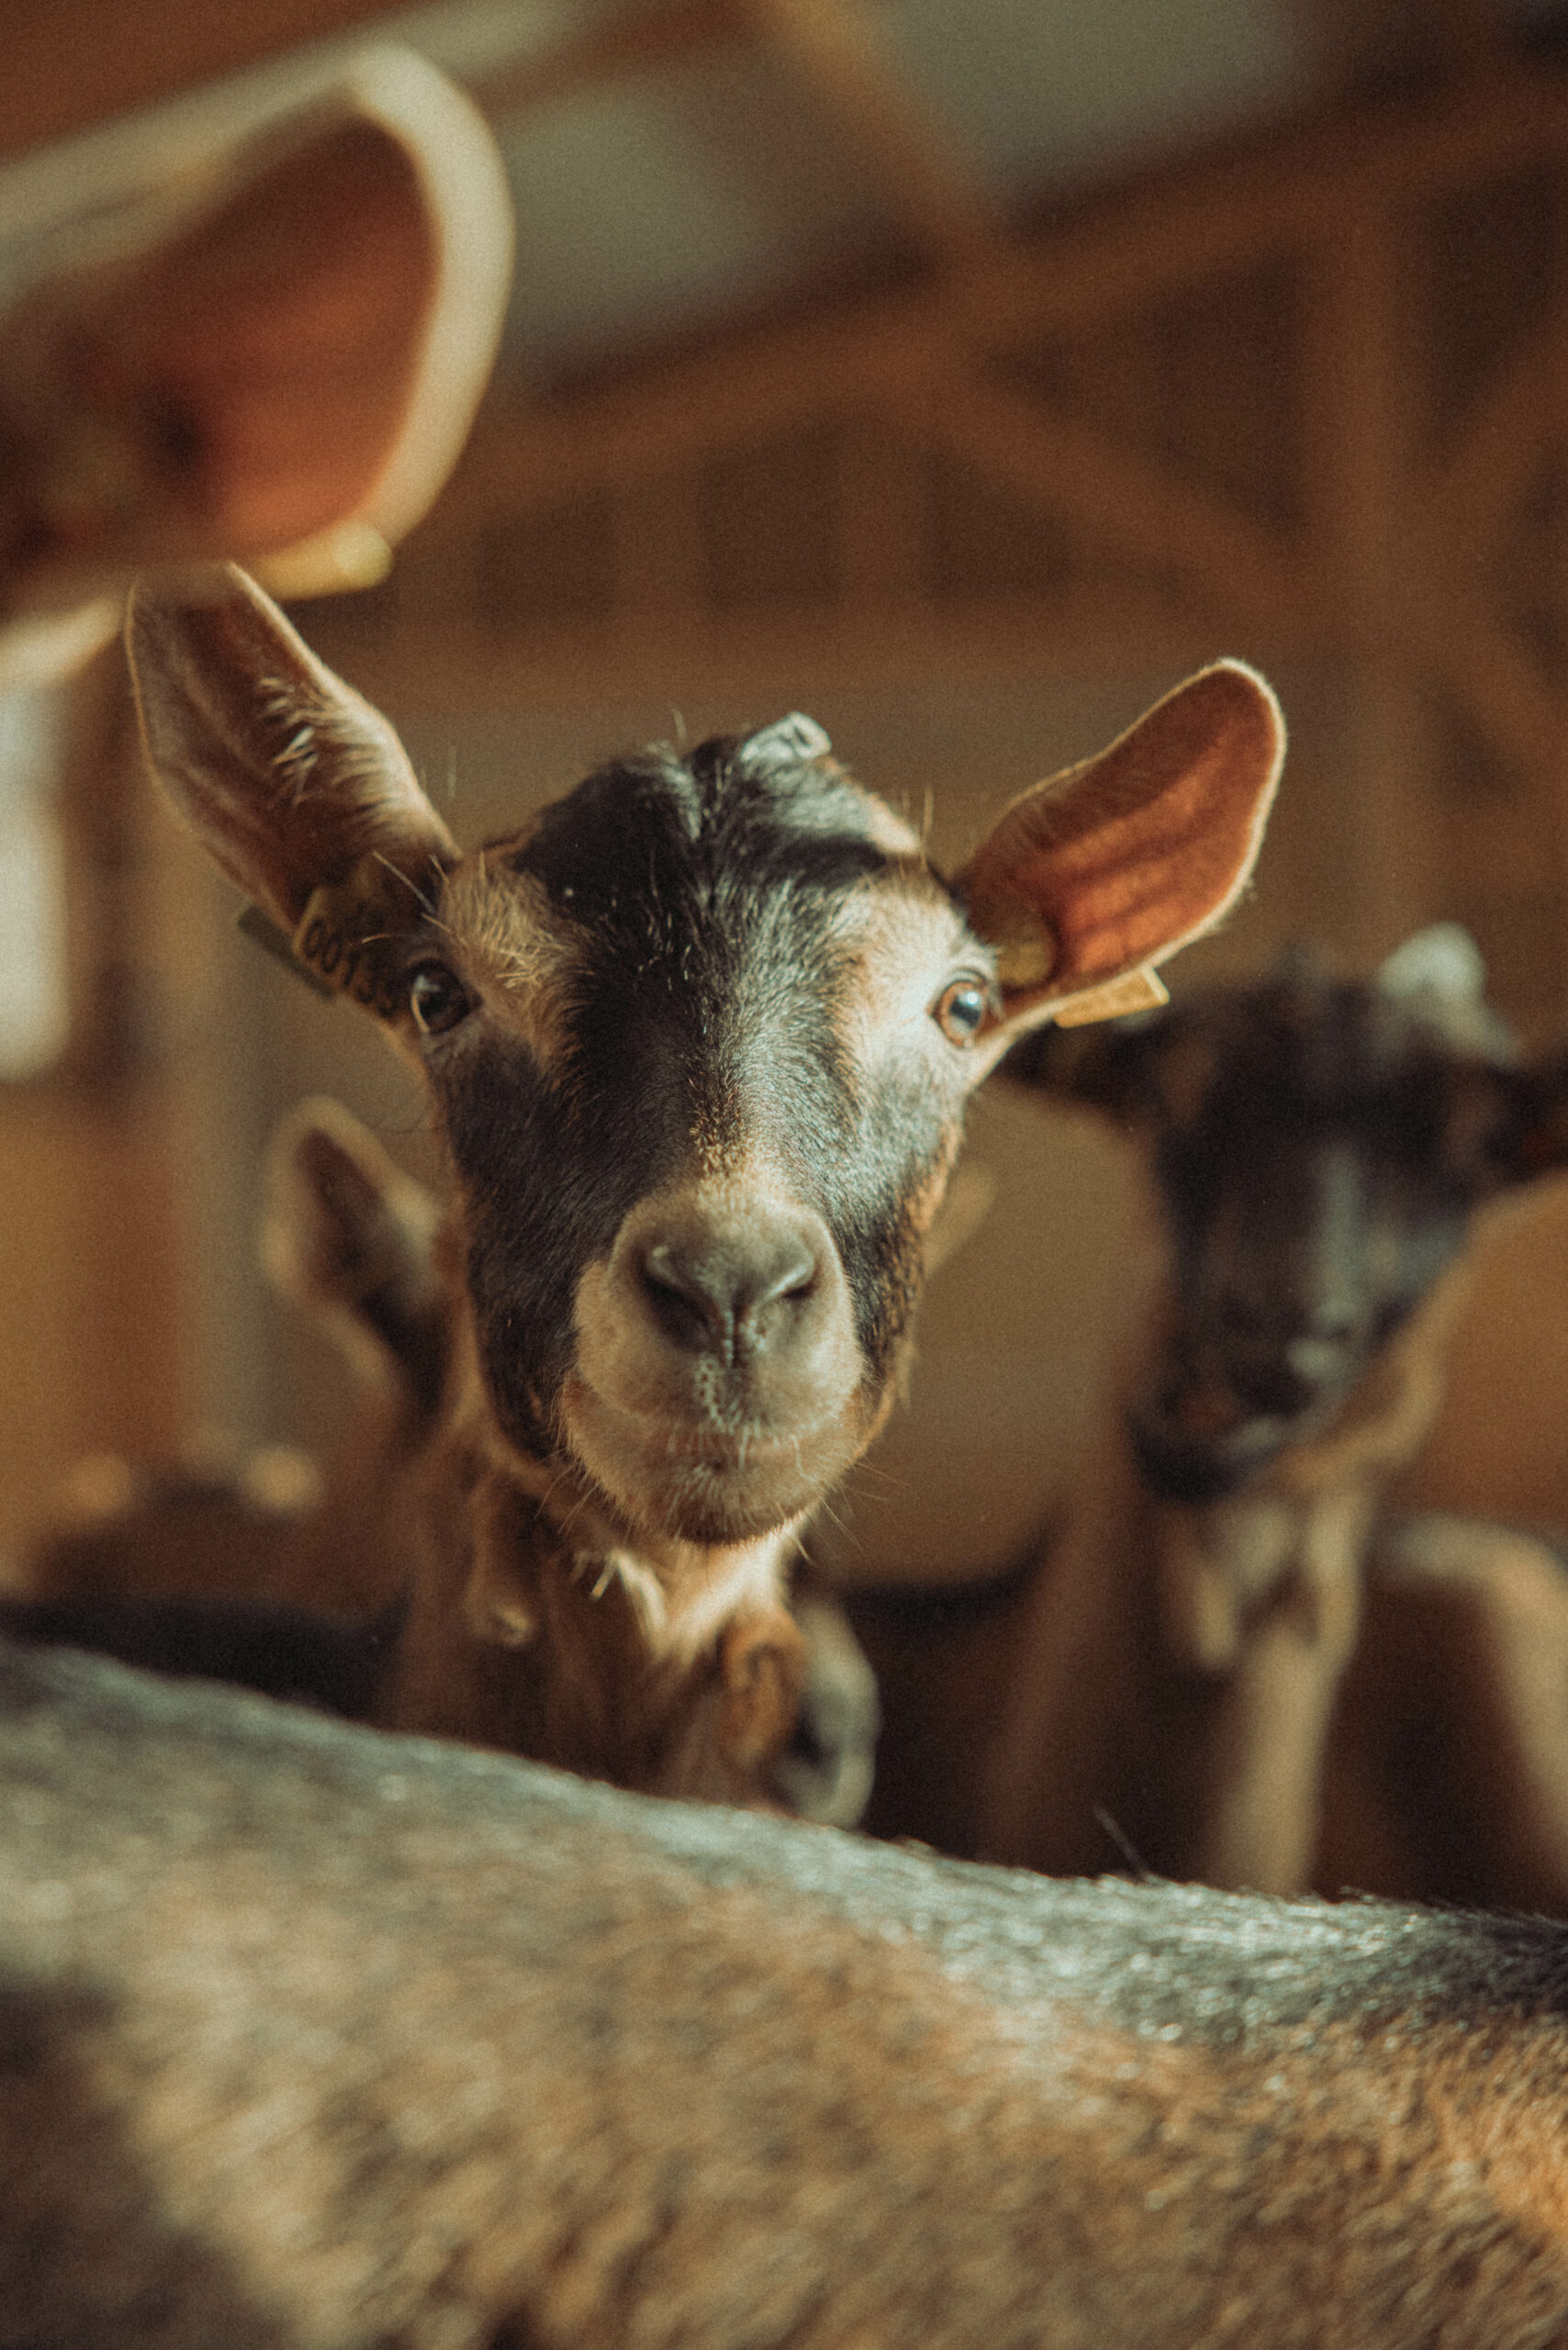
pixel 323 2039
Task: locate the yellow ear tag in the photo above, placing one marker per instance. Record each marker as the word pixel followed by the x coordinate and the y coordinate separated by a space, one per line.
pixel 1134 991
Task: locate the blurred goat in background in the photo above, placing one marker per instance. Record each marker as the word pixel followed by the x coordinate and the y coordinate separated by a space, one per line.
pixel 1166 1679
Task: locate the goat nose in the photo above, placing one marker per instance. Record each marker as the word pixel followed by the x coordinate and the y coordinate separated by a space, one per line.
pixel 728 1295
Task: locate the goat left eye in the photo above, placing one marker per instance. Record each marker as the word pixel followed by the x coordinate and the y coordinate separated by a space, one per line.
pixel 436 998
pixel 960 1010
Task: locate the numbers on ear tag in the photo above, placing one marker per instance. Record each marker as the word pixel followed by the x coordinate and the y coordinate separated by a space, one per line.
pixel 350 933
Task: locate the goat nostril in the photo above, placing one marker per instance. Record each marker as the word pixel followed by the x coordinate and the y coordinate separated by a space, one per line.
pixel 794 1277
pixel 686 1307
pixel 732 1298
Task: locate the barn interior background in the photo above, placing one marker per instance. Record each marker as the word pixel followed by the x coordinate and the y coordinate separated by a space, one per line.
pixel 964 371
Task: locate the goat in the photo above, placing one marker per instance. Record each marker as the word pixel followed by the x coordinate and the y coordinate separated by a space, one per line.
pixel 317 2037
pixel 357 1243
pixel 699 1038
pixel 1160 1677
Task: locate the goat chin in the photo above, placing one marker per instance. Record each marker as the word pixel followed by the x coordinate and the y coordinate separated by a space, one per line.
pixel 704 1483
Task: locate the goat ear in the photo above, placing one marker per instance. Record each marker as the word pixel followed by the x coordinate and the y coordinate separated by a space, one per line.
pixel 1441 964
pixel 1438 976
pixel 1093 877
pixel 286 371
pixel 299 787
pixel 352 1238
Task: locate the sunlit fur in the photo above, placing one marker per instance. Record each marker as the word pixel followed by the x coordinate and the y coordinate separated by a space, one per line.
pixel 316 2036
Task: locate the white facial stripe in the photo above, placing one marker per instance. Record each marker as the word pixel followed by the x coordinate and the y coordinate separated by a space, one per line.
pixel 889 832
pixel 906 945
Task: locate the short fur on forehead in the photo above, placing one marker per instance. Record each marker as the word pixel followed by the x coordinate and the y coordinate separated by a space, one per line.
pixel 659 831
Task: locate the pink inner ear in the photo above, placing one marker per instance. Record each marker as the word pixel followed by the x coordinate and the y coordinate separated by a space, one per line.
pixel 1141 885
pixel 283 334
pixel 1136 853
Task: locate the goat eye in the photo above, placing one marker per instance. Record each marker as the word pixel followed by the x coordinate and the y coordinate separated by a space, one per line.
pixel 437 999
pixel 960 1010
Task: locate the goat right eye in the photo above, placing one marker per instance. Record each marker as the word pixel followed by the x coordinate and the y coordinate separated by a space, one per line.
pixel 437 998
pixel 960 1010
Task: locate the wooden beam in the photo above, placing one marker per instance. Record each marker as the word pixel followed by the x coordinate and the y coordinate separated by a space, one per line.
pixel 1360 374
pixel 880 488
pixel 68 64
pixel 660 422
pixel 927 184
pixel 455 665
pixel 1525 718
pixel 1125 502
pixel 1207 219
pixel 1141 251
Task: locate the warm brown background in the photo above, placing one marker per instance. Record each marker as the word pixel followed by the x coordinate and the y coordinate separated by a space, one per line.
pixel 973 495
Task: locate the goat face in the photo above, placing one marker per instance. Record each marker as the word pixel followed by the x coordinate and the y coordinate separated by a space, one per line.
pixel 701 1038
pixel 1318 1147
pixel 699 1035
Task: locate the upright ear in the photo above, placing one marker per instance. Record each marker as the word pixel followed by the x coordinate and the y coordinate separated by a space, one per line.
pixel 283 371
pixel 297 786
pixel 1089 881
pixel 1441 964
pixel 354 1240
pixel 1438 976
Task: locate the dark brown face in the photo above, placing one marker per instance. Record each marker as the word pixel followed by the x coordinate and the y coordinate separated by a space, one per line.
pixel 1318 1148
pixel 700 1039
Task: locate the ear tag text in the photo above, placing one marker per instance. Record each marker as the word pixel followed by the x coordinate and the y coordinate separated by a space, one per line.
pixel 349 935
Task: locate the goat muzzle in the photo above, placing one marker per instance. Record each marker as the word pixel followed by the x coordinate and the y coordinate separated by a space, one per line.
pixel 717 1361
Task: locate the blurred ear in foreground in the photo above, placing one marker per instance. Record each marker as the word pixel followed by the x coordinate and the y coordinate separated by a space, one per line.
pixel 282 370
